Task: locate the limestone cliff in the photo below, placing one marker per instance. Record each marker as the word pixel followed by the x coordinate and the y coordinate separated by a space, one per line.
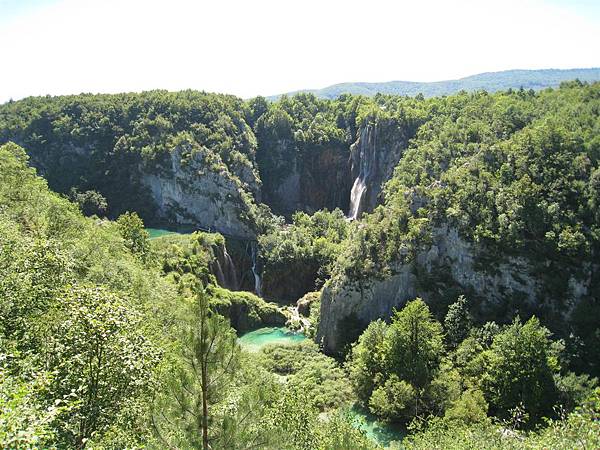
pixel 347 307
pixel 192 187
pixel 304 179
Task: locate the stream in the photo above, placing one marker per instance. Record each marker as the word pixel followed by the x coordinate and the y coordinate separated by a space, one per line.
pixel 383 433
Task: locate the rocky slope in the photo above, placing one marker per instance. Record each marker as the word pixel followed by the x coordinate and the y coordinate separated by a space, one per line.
pixel 305 182
pixel 193 188
pixel 453 266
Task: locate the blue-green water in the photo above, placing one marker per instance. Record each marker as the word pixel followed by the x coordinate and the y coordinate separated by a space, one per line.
pixel 382 433
pixel 153 233
pixel 253 341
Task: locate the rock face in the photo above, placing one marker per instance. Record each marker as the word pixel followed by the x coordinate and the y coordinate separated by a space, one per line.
pixel 373 158
pixel 349 178
pixel 304 180
pixel 347 308
pixel 189 189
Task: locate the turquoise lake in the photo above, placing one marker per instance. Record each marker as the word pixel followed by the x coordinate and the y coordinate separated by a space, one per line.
pixel 253 341
pixel 382 433
pixel 153 233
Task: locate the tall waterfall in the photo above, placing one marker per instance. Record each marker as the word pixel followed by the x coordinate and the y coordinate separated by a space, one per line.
pixel 356 195
pixel 364 154
pixel 255 269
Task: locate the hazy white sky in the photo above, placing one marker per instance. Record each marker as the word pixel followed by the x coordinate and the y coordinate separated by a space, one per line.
pixel 252 47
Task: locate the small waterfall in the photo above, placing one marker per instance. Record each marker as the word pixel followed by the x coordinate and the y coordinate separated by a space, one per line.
pixel 229 273
pixel 255 270
pixel 217 269
pixel 223 268
pixel 364 153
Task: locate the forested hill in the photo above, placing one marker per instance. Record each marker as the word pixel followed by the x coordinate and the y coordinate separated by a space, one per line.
pixel 446 248
pixel 489 81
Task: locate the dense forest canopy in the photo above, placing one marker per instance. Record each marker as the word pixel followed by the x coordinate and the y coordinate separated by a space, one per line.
pixel 462 298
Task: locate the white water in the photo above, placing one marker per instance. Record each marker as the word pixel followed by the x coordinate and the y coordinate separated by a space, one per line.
pixel 257 280
pixel 367 155
pixel 229 272
pixel 356 195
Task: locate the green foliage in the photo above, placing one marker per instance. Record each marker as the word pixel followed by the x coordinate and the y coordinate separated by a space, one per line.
pixel 392 366
pixel 520 371
pixel 24 422
pixel 78 320
pixel 134 234
pixel 91 203
pixel 469 408
pixel 187 414
pixel 100 142
pixel 394 400
pixel 321 380
pixel 99 360
pixel 94 320
pixel 415 344
pixel 296 425
pixel 458 322
pixel 580 430
pixel 298 258
pixel 245 310
pixel 367 360
pixel 178 255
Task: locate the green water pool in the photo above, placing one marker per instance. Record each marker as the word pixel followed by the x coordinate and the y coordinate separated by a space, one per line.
pixel 382 433
pixel 253 341
pixel 153 233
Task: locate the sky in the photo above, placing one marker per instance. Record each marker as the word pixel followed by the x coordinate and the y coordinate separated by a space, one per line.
pixel 266 47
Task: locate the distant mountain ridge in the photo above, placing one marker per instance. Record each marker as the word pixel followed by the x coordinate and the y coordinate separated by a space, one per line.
pixel 489 81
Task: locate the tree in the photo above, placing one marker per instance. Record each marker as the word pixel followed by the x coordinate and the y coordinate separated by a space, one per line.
pixel 414 344
pixel 188 415
pixel 394 400
pixel 520 374
pixel 90 202
pixel 134 234
pixel 366 361
pixel 99 360
pixel 458 322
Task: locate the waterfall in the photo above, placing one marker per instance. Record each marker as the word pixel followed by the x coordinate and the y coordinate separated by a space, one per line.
pixel 364 151
pixel 255 270
pixel 217 269
pixel 223 268
pixel 229 272
pixel 356 195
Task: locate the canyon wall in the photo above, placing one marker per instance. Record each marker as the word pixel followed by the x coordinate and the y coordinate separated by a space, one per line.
pixel 509 287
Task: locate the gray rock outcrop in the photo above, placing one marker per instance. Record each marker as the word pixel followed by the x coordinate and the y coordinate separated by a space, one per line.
pixel 347 307
pixel 194 188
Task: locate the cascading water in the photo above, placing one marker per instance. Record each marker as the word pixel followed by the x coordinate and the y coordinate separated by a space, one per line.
pixel 223 268
pixel 356 195
pixel 229 271
pixel 255 270
pixel 217 269
pixel 366 160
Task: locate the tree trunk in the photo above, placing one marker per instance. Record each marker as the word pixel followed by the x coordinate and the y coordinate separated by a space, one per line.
pixel 205 445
